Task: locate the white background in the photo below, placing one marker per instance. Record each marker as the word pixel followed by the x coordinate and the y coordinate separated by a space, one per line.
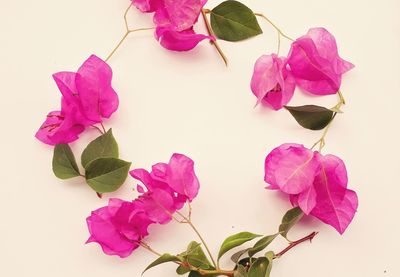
pixel 191 103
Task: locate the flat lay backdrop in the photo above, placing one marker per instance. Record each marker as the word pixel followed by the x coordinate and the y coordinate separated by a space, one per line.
pixel 190 103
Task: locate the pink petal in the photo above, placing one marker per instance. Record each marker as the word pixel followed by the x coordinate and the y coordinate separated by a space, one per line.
pixel 179 41
pixel 158 205
pixel 307 200
pixel 178 15
pixel 315 62
pixel 291 167
pixel 147 5
pixel 93 82
pixel 181 176
pixel 58 129
pixel 335 205
pixel 272 83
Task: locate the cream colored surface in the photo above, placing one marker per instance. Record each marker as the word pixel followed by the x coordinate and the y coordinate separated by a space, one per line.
pixel 191 103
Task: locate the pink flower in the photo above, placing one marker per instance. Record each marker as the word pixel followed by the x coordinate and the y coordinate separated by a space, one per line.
pixel 315 63
pixel 118 228
pixel 169 187
pixel 272 83
pixel 174 21
pixel 147 5
pixel 87 98
pixel 315 183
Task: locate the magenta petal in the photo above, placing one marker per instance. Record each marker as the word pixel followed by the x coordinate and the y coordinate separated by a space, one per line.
pixel 291 167
pixel 307 200
pixel 93 82
pixel 178 15
pixel 181 176
pixel 315 62
pixel 66 84
pixel 58 129
pixel 158 205
pixel 272 83
pixel 335 205
pixel 103 232
pixel 147 5
pixel 179 41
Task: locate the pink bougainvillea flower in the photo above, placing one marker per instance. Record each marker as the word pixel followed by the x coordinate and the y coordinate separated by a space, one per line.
pixel 272 83
pixel 147 5
pixel 118 228
pixel 315 62
pixel 178 15
pixel 169 187
pixel 325 196
pixel 87 98
pixel 179 41
pixel 291 168
pixel 58 129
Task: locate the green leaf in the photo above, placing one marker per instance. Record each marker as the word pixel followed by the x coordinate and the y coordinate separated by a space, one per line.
pixel 107 174
pixel 195 256
pixel 289 220
pixel 236 257
pixel 64 163
pixel 105 146
pixel 233 21
pixel 234 241
pixel 240 272
pixel 181 270
pixel 311 117
pixel 259 268
pixel 270 256
pixel 261 244
pixel 166 258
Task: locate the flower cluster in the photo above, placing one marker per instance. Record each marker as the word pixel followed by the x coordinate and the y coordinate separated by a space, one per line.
pixel 313 64
pixel 174 21
pixel 87 98
pixel 120 227
pixel 316 183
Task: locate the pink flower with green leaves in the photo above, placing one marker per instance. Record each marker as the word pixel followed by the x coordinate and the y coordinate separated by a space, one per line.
pixel 315 183
pixel 87 98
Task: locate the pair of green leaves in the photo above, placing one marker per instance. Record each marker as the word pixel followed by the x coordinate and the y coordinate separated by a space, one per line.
pixel 194 256
pixel 233 21
pixel 104 171
pixel 312 117
pixel 259 267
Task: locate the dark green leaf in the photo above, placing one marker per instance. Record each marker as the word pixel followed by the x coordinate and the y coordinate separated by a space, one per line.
pixel 236 257
pixel 261 244
pixel 311 117
pixel 166 258
pixel 270 256
pixel 107 174
pixel 289 220
pixel 240 271
pixel 105 146
pixel 234 241
pixel 259 268
pixel 64 164
pixel 233 21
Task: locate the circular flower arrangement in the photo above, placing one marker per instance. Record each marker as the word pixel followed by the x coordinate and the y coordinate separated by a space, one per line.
pixel 316 184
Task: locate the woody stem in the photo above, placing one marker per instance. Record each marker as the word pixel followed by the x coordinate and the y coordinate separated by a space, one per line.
pixel 295 243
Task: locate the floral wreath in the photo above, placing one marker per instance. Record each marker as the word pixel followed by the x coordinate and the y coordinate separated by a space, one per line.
pixel 315 183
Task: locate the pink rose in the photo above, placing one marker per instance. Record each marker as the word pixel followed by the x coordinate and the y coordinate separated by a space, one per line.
pixel 315 63
pixel 315 183
pixel 272 83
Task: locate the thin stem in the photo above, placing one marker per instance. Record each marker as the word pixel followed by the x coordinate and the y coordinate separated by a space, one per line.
pixel 125 17
pixel 189 221
pixel 274 25
pixel 211 33
pixel 337 107
pixel 118 45
pixel 101 132
pixel 147 247
pixel 102 126
pixel 295 243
